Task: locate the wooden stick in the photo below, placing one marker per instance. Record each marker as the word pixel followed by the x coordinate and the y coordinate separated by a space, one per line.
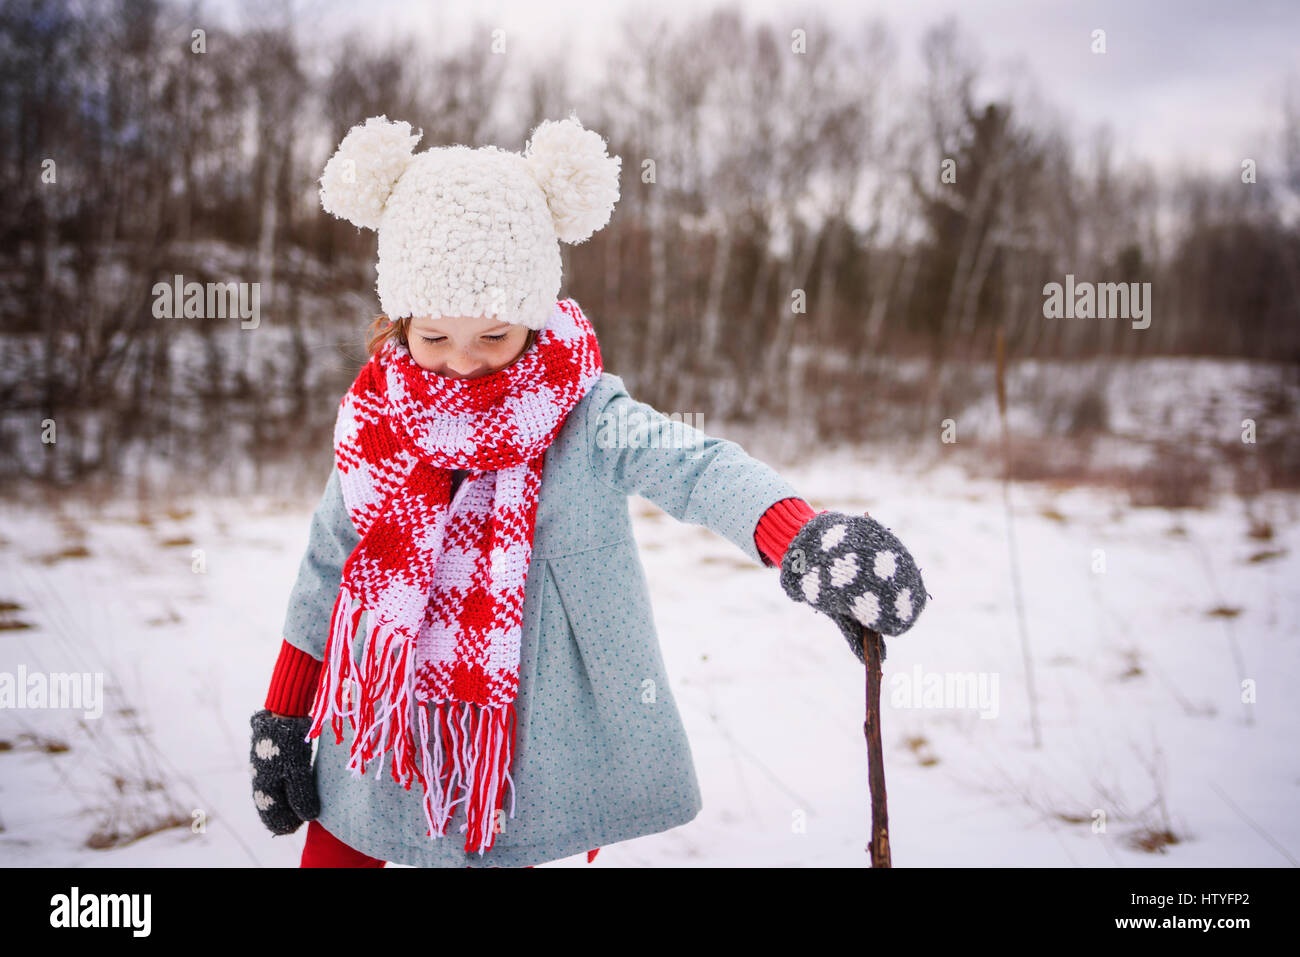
pixel 879 846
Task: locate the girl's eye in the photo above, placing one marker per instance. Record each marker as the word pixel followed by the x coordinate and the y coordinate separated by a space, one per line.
pixel 443 338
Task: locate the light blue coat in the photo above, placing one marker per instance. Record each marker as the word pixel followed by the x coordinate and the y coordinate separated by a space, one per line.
pixel 601 754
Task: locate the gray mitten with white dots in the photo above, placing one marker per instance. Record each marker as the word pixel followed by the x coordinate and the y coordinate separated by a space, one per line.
pixel 284 789
pixel 855 570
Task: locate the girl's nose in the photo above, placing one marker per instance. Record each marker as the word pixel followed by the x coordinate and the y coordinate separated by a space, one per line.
pixel 460 367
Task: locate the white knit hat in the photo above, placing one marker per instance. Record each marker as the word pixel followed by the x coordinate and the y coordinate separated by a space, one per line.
pixel 471 232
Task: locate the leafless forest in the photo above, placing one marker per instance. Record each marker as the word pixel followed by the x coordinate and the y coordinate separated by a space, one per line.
pixel 788 251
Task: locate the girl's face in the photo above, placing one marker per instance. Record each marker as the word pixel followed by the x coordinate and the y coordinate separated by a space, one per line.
pixel 464 347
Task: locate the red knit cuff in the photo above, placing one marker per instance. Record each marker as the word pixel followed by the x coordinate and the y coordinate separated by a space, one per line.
pixel 294 682
pixel 778 526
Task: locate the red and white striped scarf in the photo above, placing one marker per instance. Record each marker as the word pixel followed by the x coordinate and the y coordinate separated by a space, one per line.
pixel 442 580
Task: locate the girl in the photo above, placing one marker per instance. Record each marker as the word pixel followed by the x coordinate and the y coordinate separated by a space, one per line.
pixel 472 599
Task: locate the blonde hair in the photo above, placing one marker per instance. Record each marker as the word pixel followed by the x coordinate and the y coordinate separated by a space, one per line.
pixel 382 330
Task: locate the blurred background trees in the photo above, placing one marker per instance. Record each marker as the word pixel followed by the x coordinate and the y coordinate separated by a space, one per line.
pixel 786 245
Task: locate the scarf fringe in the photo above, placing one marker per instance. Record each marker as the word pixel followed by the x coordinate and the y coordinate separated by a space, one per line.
pixel 472 751
pixel 480 760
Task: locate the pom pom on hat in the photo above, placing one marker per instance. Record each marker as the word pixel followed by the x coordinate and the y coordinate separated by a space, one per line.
pixel 359 177
pixel 579 178
pixel 469 232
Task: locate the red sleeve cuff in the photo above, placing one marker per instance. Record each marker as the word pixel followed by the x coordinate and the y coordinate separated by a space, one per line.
pixel 294 682
pixel 778 526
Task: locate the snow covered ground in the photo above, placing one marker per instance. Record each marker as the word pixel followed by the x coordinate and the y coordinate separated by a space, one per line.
pixel 1143 625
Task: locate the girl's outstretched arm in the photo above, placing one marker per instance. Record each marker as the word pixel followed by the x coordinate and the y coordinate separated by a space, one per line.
pixel 694 477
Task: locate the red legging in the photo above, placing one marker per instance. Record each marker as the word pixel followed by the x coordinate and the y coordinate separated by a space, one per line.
pixel 323 849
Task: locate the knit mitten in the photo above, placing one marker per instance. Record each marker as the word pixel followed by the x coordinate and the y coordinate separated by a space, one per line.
pixel 853 569
pixel 280 762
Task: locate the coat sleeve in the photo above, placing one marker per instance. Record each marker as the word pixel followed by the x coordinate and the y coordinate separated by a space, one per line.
pixel 331 539
pixel 694 477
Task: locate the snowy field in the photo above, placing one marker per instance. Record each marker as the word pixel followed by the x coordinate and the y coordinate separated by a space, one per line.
pixel 1143 625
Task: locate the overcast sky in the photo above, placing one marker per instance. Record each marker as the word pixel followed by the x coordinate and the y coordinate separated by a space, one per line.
pixel 1189 81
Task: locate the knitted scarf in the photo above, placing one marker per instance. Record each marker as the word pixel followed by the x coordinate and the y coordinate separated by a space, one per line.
pixel 442 579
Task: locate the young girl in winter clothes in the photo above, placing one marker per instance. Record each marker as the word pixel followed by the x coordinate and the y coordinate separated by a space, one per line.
pixel 472 601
